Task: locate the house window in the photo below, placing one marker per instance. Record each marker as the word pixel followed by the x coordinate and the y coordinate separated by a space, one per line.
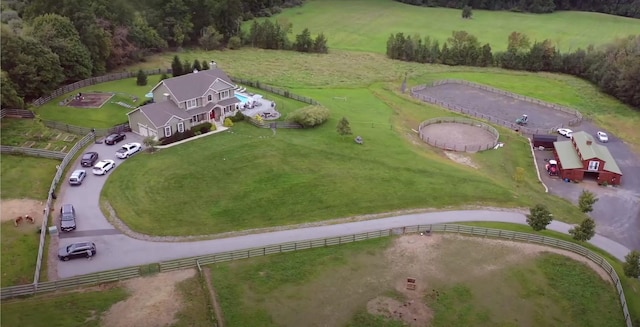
pixel 167 131
pixel 192 103
pixel 180 127
pixel 594 165
pixel 225 94
pixel 210 97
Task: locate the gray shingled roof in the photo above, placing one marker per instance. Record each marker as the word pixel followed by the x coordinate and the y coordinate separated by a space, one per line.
pixel 228 102
pixel 159 113
pixel 194 85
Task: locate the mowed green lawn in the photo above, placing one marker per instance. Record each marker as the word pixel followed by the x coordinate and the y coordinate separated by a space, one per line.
pixel 249 178
pixel 109 114
pixel 466 282
pixel 365 25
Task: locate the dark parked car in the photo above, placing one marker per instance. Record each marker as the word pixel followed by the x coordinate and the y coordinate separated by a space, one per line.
pixel 114 138
pixel 89 159
pixel 77 250
pixel 67 218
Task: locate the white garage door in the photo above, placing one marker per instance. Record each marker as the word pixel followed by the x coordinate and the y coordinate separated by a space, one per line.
pixel 143 130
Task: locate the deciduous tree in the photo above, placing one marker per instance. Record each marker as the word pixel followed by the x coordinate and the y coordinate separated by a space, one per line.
pixel 210 39
pixel 586 201
pixel 467 12
pixel 539 217
pixel 631 264
pixel 585 231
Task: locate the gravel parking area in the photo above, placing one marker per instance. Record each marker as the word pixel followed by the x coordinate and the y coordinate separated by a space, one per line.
pixel 496 105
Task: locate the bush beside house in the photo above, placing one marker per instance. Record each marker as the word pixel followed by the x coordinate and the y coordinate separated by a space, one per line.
pixel 195 130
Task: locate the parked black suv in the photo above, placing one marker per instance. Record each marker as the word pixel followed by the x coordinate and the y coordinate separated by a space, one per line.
pixel 114 138
pixel 67 218
pixel 89 159
pixel 77 250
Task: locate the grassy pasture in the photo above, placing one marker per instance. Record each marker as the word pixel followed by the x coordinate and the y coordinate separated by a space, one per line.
pixel 32 133
pixel 109 114
pixel 365 25
pixel 26 177
pixel 460 289
pixel 354 70
pixel 70 309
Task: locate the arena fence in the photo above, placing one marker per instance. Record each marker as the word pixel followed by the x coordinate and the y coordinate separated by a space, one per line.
pixel 443 144
pixel 415 92
pixel 193 262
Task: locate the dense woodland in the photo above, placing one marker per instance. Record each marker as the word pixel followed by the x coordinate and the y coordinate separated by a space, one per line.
pixel 46 43
pixel 614 67
pixel 627 8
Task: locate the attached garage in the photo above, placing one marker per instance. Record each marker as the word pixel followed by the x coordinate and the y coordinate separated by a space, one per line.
pixel 143 130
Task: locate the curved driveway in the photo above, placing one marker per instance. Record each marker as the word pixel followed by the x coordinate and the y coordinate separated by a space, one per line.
pixel 116 250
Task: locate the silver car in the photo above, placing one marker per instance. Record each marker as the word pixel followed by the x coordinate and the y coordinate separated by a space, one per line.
pixel 77 177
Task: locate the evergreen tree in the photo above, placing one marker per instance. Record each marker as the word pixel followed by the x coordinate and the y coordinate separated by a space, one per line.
pixel 186 67
pixel 343 127
pixel 163 76
pixel 304 42
pixel 176 66
pixel 142 78
pixel 320 44
pixel 196 65
pixel 205 65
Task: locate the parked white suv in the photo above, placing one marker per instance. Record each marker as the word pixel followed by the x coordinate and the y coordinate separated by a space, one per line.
pixel 128 150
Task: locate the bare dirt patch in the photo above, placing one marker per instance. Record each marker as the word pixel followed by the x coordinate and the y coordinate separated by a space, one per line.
pixel 11 209
pixel 461 159
pixel 154 301
pixel 433 260
pixel 458 137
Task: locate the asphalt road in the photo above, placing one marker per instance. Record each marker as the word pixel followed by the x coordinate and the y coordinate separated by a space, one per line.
pixel 116 250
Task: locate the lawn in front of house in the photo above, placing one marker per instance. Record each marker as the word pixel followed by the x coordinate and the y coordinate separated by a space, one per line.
pixel 109 114
pixel 462 281
pixel 252 178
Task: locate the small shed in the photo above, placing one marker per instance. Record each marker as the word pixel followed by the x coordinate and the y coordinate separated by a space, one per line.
pixel 544 140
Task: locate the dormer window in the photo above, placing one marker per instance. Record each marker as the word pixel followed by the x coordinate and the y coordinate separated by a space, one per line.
pixel 192 103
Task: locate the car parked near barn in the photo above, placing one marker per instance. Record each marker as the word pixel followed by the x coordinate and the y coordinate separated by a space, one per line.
pixel 602 137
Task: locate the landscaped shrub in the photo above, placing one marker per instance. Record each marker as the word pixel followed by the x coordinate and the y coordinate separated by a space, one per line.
pixel 228 122
pixel 234 43
pixel 202 128
pixel 237 117
pixel 177 137
pixel 310 116
pixel 145 102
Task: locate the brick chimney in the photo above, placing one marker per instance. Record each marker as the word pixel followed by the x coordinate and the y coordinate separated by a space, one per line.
pixel 589 142
pixel 213 64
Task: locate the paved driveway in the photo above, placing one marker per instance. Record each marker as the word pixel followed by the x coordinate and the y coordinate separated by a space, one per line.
pixel 617 212
pixel 116 250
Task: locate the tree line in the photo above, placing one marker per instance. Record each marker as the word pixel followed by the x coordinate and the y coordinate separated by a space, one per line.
pixel 49 43
pixel 613 67
pixel 626 8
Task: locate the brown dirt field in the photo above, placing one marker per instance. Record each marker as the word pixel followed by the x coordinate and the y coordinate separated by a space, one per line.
pixel 458 136
pixel 13 208
pixel 154 301
pixel 428 258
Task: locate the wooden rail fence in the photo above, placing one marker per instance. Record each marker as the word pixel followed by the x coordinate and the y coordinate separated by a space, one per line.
pixel 442 143
pixel 16 113
pixel 32 152
pixel 131 272
pixel 85 130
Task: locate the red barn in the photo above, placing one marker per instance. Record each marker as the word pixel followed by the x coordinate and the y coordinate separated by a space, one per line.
pixel 583 157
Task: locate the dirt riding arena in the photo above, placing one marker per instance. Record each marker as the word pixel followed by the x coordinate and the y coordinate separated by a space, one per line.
pixel 497 106
pixel 458 134
pixel 89 100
